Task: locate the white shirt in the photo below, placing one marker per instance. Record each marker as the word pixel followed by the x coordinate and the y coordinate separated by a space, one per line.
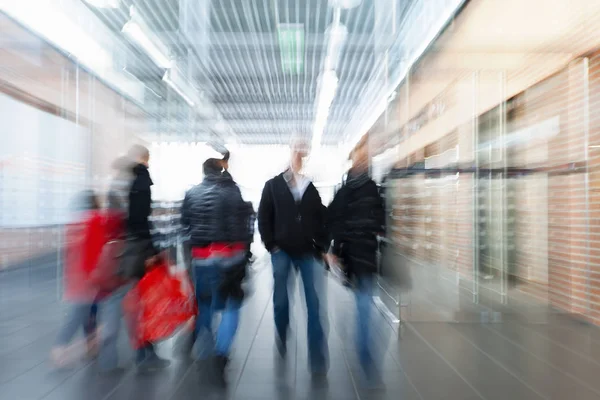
pixel 297 184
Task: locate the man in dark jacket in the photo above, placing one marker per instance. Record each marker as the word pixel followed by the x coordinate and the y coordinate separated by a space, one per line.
pixel 138 228
pixel 355 218
pixel 291 222
pixel 219 224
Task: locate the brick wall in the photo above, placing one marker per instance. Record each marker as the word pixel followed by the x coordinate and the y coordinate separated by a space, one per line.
pixel 555 253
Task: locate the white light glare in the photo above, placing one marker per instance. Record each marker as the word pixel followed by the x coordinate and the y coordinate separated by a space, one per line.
pixel 327 89
pixel 445 17
pixel 103 3
pixel 155 49
pixel 345 3
pixel 176 87
pixel 337 35
pixel 53 25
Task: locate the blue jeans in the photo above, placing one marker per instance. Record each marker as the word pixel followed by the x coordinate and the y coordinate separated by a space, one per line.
pixel 364 309
pixel 207 275
pixel 78 315
pixel 312 274
pixel 110 316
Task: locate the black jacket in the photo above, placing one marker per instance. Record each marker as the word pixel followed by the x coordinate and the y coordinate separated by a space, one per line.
pixel 296 228
pixel 214 211
pixel 140 204
pixel 354 219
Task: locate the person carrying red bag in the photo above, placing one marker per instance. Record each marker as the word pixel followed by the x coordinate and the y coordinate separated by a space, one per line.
pixel 131 196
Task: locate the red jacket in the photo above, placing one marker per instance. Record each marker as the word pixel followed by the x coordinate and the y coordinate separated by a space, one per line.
pixel 85 240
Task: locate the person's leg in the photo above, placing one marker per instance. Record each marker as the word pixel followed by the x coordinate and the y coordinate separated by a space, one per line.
pixel 364 309
pixel 311 273
pixel 281 304
pixel 228 327
pixel 90 329
pixel 148 360
pixel 75 317
pixel 204 275
pixel 110 313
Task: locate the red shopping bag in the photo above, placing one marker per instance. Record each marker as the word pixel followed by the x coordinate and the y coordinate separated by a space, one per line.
pixel 158 305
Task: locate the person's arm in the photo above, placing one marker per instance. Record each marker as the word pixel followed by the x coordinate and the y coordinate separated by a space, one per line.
pixel 379 210
pixel 185 213
pixel 266 218
pixel 335 220
pixel 251 221
pixel 321 235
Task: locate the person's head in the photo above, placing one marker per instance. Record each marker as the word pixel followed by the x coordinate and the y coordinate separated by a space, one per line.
pixel 122 165
pixel 212 166
pixel 360 154
pixel 87 201
pixel 139 154
pixel 299 150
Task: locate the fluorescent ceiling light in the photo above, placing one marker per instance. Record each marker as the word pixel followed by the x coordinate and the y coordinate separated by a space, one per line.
pixel 327 89
pixel 137 31
pixel 345 3
pixel 103 3
pixel 56 27
pixel 336 38
pixel 181 87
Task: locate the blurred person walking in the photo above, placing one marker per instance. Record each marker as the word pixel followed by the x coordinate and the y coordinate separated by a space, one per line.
pixel 118 192
pixel 85 239
pixel 355 219
pixel 219 224
pixel 138 206
pixel 291 222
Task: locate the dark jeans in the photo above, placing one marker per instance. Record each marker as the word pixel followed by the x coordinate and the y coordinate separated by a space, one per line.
pixel 363 293
pixel 312 274
pixel 207 280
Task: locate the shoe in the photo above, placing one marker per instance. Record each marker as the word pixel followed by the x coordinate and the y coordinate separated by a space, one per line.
pixel 153 363
pixel 218 366
pixel 93 348
pixel 281 347
pixel 58 357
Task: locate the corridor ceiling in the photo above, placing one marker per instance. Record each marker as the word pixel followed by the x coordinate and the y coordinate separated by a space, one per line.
pixel 236 54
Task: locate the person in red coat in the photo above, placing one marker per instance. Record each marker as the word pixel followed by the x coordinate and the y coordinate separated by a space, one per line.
pixel 85 239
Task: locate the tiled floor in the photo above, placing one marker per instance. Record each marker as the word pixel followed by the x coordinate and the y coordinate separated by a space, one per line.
pixel 516 359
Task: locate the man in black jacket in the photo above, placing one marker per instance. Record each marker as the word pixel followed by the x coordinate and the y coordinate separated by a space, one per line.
pixel 219 224
pixel 355 218
pixel 291 222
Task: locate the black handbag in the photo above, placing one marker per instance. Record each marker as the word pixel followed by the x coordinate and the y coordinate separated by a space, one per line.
pixel 132 263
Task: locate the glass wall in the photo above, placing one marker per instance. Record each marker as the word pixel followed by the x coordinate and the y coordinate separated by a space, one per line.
pixel 493 195
pixel 62 128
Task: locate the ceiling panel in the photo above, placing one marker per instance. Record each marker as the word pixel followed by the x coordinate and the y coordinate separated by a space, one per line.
pixel 230 51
